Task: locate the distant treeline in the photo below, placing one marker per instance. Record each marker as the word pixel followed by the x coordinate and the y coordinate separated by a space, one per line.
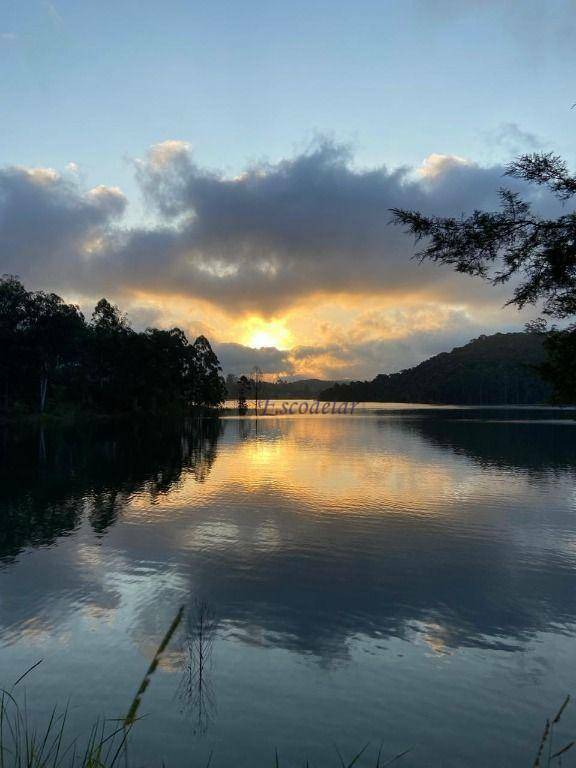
pixel 52 358
pixel 305 389
pixel 503 369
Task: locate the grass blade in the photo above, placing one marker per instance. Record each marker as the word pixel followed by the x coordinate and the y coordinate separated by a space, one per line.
pixel 561 710
pixel 27 672
pixel 133 711
pixel 563 750
pixel 398 757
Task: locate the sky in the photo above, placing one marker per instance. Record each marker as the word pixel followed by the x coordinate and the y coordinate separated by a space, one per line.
pixel 228 167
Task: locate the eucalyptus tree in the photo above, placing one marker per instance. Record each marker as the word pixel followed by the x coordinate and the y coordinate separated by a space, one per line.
pixel 50 355
pixel 207 386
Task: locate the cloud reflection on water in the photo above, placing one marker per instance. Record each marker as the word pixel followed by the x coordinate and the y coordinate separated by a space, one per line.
pixel 305 535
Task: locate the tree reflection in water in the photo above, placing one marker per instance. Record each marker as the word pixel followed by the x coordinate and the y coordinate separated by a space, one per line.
pixel 53 478
pixel 196 690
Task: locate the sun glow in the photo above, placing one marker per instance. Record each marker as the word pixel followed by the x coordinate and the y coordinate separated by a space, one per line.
pixel 262 334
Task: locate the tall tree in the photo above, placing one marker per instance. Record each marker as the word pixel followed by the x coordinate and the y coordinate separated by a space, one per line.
pixel 54 332
pixel 40 337
pixel 244 385
pixel 208 386
pixel 256 377
pixel 14 305
pixel 111 358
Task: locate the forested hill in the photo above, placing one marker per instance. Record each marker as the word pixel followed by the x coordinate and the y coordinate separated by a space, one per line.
pixel 490 370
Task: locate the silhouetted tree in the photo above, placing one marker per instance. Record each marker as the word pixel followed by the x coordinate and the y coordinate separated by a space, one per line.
pixel 110 365
pixel 55 332
pixel 515 242
pixel 244 385
pixel 14 304
pixel 208 387
pixel 560 366
pixel 49 354
pixel 256 379
pixel 40 337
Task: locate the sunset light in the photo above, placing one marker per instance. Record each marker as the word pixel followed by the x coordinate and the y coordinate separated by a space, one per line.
pixel 288 383
pixel 273 334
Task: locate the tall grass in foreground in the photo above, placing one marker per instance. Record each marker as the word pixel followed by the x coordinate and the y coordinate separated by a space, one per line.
pixel 23 745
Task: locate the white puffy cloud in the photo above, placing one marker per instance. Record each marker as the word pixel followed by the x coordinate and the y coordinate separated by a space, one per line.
pixel 436 164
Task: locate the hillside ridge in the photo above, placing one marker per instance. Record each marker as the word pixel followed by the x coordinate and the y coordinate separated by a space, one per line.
pixel 500 369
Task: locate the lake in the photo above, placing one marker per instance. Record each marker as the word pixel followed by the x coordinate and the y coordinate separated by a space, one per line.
pixel 401 576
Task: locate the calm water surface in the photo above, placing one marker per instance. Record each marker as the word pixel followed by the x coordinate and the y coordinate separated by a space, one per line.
pixel 402 575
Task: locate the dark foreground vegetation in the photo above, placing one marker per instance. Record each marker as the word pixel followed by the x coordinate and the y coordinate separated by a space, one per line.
pixel 53 360
pixel 503 369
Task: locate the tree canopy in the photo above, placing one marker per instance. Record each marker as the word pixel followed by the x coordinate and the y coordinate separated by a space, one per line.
pixel 516 242
pixel 51 357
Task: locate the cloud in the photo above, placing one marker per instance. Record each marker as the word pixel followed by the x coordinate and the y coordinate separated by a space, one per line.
pixel 238 359
pixel 311 224
pixel 361 360
pixel 435 165
pixel 47 224
pixel 260 242
pixel 279 237
pixel 513 139
pixel 373 344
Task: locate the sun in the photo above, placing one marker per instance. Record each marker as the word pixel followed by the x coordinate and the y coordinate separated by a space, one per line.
pixel 263 339
pixel 261 334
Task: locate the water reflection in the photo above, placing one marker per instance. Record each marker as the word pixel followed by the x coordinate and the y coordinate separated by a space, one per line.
pixel 526 441
pixel 319 532
pixel 451 531
pixel 51 478
pixel 196 690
